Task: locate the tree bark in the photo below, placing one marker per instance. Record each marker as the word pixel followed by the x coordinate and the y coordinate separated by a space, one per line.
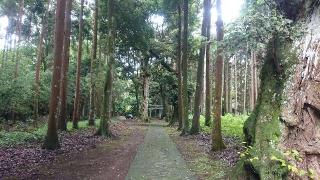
pixel 145 90
pixel 184 71
pixel 51 139
pixel 63 118
pixel 208 80
pixel 179 67
pixel 253 81
pixel 235 86
pixel 93 63
pixel 217 142
pixel 226 87
pixel 200 72
pixel 104 128
pixel 76 113
pixel 245 88
pixel 229 98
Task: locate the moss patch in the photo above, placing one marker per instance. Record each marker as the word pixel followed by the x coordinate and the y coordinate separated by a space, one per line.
pixel 262 129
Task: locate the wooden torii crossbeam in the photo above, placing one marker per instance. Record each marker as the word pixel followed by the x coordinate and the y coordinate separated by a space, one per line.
pixel 158 109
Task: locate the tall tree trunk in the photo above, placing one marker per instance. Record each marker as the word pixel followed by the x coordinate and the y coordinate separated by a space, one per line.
pixel 245 88
pixel 63 118
pixel 179 67
pixel 165 112
pixel 200 72
pixel 93 62
pixel 18 41
pixel 76 113
pixel 145 90
pixel 208 80
pixel 253 81
pixel 226 88
pixel 235 86
pixel 107 98
pixel 51 139
pixel 217 142
pixel 229 98
pixel 40 59
pixel 184 65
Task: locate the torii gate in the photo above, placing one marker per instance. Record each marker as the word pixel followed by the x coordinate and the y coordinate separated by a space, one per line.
pixel 155 111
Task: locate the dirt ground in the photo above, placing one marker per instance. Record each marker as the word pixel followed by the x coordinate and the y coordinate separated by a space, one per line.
pixel 109 160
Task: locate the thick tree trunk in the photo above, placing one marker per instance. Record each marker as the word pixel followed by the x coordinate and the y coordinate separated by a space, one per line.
pixel 93 63
pixel 195 128
pixel 63 118
pixel 104 128
pixel 217 142
pixel 39 60
pixel 284 125
pixel 145 90
pixel 184 70
pixel 179 67
pixel 51 139
pixel 208 72
pixel 76 113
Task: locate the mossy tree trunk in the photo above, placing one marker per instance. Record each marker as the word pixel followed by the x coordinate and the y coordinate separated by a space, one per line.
pixel 263 128
pixel 104 128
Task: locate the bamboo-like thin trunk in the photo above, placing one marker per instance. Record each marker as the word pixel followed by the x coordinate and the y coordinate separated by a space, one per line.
pixel 76 113
pixel 185 99
pixel 208 72
pixel 179 67
pixel 245 88
pixel 236 85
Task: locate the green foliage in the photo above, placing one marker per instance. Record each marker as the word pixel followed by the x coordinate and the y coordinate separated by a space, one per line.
pixel 231 125
pixel 26 133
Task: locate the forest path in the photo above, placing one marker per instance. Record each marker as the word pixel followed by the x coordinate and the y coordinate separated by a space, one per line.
pixel 158 158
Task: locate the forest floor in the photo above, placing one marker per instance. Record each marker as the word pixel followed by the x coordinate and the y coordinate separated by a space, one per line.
pixel 81 156
pixel 138 151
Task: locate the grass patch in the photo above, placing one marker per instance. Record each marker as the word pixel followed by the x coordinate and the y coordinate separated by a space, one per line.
pixel 231 125
pixel 21 136
pixel 198 161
